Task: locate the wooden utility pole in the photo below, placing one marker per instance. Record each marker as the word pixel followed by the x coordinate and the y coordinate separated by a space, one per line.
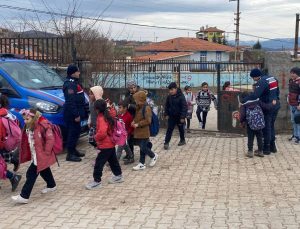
pixel 237 31
pixel 296 37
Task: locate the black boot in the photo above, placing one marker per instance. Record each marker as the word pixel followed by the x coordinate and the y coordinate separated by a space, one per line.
pixel 15 182
pixel 273 148
pixel 15 159
pixel 73 158
pixel 79 154
pixel 181 143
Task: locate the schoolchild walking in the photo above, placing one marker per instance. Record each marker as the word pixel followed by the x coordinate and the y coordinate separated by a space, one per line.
pixel 141 125
pixel 95 93
pixel 175 111
pixel 36 146
pixel 105 146
pixel 252 116
pixel 191 101
pixel 203 100
pixel 7 155
pixel 127 118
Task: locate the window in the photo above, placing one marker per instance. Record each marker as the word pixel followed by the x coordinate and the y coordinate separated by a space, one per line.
pixel 32 75
pixel 203 56
pixel 6 88
pixel 218 56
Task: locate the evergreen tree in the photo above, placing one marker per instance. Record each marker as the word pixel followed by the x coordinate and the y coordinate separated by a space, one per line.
pixel 257 45
pixel 214 39
pixel 220 40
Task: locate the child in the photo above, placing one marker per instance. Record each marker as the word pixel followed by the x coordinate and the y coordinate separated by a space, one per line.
pixel 95 93
pixel 175 112
pixel 105 146
pixel 141 125
pixel 36 146
pixel 8 157
pixel 127 118
pixel 251 114
pixel 203 100
pixel 190 100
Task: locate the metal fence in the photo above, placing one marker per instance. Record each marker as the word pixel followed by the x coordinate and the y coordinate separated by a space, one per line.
pixel 158 74
pixel 54 50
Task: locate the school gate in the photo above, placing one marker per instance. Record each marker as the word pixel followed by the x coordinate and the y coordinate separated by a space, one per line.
pixel 155 76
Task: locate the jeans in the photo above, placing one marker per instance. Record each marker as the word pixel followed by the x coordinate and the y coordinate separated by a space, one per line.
pixel 9 175
pixel 259 136
pixel 172 122
pixel 32 175
pixel 145 150
pixel 269 130
pixel 204 116
pixel 296 127
pixel 103 156
pixel 127 150
pixel 73 135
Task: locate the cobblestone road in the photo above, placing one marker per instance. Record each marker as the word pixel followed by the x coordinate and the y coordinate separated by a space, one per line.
pixel 206 184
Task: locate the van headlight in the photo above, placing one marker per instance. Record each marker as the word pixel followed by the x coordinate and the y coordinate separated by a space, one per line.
pixel 43 106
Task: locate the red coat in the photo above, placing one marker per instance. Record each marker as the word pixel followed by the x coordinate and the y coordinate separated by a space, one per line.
pixel 43 143
pixel 102 138
pixel 127 119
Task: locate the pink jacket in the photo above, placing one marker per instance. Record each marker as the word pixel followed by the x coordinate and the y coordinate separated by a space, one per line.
pixel 102 137
pixel 43 142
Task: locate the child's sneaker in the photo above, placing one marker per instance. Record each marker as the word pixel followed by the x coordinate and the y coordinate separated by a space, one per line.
pixel 249 153
pixel 259 153
pixel 47 190
pixel 200 125
pixel 153 160
pixel 92 185
pixel 129 161
pixel 19 199
pixel 140 166
pixel 297 141
pixel 166 146
pixel 15 182
pixel 116 179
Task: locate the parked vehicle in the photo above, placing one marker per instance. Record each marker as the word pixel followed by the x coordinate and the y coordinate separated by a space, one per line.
pixel 32 84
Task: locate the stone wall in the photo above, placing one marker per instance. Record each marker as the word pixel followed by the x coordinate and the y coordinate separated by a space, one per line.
pixel 279 65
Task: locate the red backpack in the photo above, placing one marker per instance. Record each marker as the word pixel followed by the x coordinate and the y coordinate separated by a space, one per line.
pixel 13 133
pixel 58 139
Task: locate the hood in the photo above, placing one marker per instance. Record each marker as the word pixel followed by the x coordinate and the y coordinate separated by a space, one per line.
pixel 140 97
pixel 97 91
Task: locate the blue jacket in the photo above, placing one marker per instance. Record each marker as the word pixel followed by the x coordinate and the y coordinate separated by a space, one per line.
pixel 74 99
pixel 267 90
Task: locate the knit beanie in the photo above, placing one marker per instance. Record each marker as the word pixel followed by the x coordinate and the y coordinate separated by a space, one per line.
pixel 131 83
pixel 255 73
pixel 172 85
pixel 295 70
pixel 72 69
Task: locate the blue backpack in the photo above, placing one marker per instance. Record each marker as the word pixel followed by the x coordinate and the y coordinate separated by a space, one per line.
pixel 255 118
pixel 154 126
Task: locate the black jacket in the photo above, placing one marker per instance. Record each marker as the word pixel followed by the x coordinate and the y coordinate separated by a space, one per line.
pixel 176 105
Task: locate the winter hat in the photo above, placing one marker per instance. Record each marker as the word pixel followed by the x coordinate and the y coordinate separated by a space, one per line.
pixel 97 91
pixel 255 73
pixel 295 70
pixel 172 85
pixel 72 69
pixel 131 83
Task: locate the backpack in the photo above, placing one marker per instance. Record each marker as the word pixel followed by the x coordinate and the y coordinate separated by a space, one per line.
pixel 58 139
pixel 3 169
pixel 119 134
pixel 154 126
pixel 13 133
pixel 255 118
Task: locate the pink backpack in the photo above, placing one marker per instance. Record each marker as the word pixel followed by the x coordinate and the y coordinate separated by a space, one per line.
pixel 13 132
pixel 119 135
pixel 3 168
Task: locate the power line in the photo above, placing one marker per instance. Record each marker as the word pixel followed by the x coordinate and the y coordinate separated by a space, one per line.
pixel 93 19
pixel 120 22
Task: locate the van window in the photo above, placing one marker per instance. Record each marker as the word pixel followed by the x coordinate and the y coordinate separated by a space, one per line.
pixel 32 75
pixel 6 88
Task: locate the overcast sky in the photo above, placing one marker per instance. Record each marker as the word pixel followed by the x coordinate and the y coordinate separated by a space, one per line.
pixel 266 18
